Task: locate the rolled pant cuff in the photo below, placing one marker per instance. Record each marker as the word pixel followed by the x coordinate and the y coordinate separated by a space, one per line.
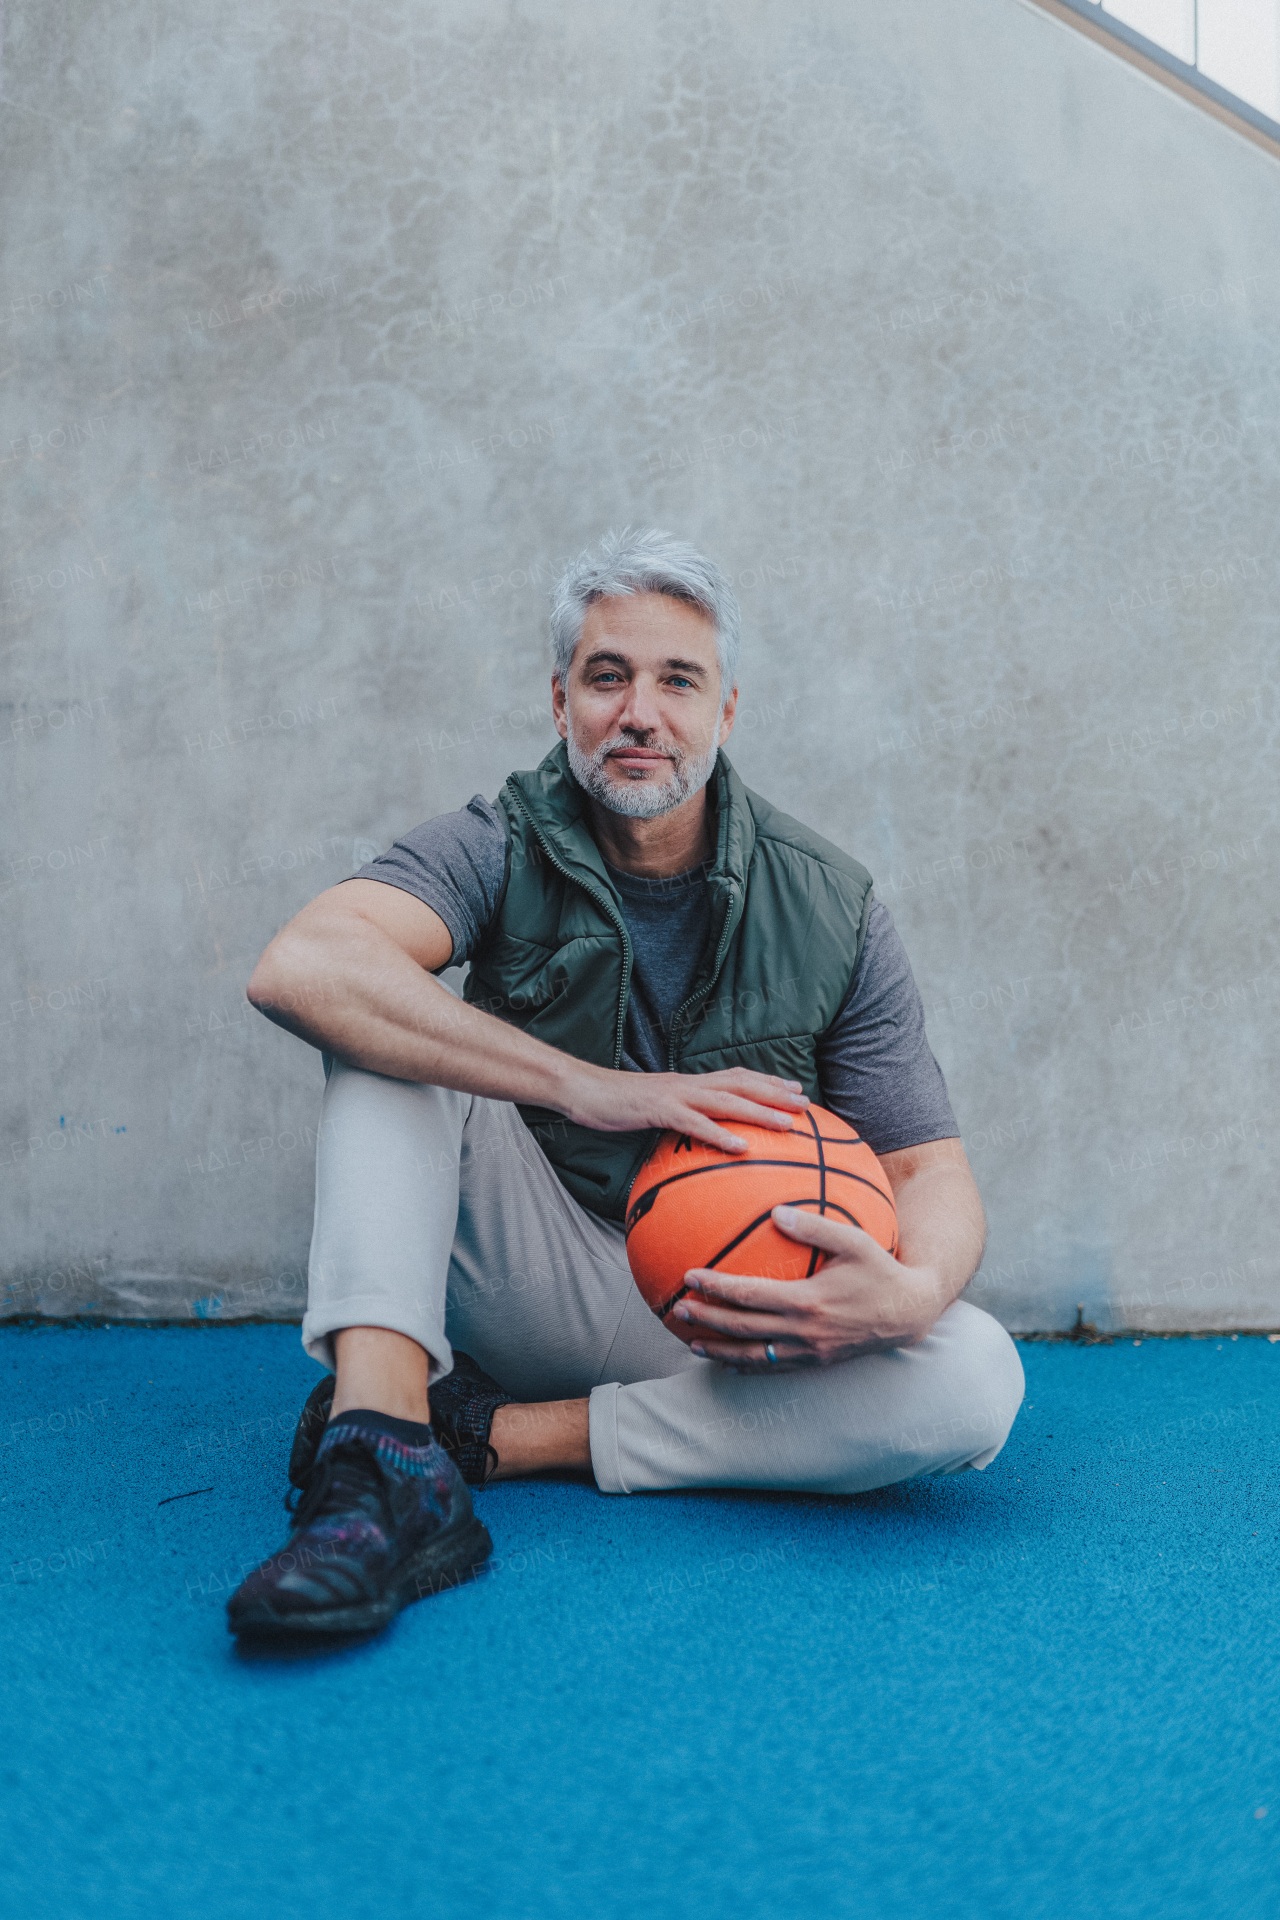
pixel 602 1420
pixel 372 1310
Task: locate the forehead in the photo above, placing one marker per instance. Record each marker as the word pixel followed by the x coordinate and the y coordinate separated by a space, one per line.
pixel 648 626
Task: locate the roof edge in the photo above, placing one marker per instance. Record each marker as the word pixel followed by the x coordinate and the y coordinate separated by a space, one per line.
pixel 1165 69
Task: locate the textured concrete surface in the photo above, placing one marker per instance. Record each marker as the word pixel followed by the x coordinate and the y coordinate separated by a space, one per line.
pixel 1038 1692
pixel 327 334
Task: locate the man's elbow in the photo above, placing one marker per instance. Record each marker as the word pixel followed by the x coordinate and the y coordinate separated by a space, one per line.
pixel 275 984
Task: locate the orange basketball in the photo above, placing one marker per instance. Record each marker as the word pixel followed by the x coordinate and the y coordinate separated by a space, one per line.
pixel 693 1206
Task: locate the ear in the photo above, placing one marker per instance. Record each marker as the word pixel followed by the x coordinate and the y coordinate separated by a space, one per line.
pixel 559 706
pixel 727 717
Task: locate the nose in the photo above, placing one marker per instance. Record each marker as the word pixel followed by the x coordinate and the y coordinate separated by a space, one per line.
pixel 640 712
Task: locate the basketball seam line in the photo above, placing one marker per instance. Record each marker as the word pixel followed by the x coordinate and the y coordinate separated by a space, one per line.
pixel 691 1173
pixel 680 1292
pixel 822 1189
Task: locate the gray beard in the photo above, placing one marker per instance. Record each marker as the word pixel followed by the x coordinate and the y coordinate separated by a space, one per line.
pixel 642 799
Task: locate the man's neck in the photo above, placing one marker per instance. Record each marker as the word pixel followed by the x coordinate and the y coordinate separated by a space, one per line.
pixel 654 849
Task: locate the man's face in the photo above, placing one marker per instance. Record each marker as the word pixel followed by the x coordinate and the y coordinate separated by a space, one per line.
pixel 642 712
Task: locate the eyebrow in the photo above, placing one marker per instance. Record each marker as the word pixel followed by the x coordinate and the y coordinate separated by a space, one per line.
pixel 605 656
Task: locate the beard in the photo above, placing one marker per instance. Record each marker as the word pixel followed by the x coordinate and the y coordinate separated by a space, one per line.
pixel 640 797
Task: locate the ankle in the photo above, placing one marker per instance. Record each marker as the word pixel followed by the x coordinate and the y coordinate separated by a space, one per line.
pixel 381 1370
pixel 540 1437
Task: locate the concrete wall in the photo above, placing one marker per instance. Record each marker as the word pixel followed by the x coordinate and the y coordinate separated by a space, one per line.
pixel 330 331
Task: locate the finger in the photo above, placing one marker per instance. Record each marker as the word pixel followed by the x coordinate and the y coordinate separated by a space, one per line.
pixel 781 1119
pixel 771 1090
pixel 752 1359
pixel 818 1230
pixel 744 1085
pixel 753 1081
pixel 705 1129
pixel 733 1106
pixel 746 1290
pixel 695 1336
pixel 703 1126
pixel 701 1314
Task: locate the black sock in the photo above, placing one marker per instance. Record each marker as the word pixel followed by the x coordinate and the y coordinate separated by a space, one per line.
pixel 410 1433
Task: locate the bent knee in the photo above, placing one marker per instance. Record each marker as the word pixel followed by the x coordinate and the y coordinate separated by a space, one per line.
pixel 983 1374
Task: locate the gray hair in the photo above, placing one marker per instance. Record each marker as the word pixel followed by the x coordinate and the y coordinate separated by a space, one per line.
pixel 645 560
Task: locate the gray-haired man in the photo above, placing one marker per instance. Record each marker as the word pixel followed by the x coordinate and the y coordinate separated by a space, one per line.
pixel 651 946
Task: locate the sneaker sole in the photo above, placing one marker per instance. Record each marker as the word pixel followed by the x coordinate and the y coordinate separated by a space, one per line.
pixel 442 1563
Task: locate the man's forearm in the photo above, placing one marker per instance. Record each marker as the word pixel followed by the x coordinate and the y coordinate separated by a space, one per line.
pixel 941 1227
pixel 356 994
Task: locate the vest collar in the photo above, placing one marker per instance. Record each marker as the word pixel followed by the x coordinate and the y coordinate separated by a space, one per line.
pixel 558 807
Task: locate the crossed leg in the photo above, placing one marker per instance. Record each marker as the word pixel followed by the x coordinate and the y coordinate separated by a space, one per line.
pixel 439 1219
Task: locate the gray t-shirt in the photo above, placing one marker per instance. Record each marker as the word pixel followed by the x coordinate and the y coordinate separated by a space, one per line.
pixel 875 1066
pixel 669 921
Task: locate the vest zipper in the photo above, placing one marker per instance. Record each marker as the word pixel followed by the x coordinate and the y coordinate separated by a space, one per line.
pixel 602 900
pixel 726 934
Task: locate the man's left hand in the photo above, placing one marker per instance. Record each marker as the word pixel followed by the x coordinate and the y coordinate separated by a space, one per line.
pixel 861 1300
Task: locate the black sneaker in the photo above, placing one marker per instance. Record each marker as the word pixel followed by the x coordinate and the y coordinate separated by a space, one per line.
pixel 379 1524
pixel 312 1422
pixel 462 1408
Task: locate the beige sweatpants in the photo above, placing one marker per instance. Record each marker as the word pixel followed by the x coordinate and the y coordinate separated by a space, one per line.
pixel 438 1215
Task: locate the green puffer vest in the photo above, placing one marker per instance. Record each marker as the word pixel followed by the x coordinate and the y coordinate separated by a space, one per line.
pixel 788 915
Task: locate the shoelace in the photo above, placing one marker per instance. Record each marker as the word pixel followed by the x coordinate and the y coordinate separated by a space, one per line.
pixel 342 1477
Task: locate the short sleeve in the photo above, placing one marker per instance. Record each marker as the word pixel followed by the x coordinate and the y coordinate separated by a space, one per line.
pixel 875 1066
pixel 453 864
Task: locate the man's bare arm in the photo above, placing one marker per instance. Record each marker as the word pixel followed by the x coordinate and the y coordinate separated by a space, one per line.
pixel 352 974
pixel 941 1225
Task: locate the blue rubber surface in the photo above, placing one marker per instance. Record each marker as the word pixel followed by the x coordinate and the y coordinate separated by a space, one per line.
pixel 1048 1689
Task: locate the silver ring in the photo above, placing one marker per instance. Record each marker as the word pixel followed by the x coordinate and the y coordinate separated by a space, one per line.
pixel 769 1353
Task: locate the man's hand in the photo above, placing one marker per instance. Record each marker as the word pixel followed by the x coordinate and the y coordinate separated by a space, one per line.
pixel 692 1103
pixel 861 1300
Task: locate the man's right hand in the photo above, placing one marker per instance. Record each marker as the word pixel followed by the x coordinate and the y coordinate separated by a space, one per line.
pixel 693 1103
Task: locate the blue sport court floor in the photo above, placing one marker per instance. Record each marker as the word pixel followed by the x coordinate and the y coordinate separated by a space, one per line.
pixel 1050 1689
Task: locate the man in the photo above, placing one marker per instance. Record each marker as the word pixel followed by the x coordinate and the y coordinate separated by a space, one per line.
pixel 651 946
